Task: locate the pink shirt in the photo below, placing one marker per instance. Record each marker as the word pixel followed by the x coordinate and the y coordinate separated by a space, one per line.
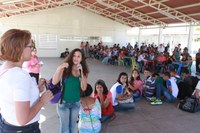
pixel 137 82
pixel 33 65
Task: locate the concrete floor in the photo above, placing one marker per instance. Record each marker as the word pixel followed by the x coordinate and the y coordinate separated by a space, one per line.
pixel 145 118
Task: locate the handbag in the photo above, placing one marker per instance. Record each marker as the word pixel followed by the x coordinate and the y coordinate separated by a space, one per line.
pixel 57 91
pixel 189 104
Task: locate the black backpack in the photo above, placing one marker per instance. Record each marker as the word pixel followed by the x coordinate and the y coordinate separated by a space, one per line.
pixel 189 104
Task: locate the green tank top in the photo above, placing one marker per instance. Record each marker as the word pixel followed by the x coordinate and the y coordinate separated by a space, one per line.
pixel 72 89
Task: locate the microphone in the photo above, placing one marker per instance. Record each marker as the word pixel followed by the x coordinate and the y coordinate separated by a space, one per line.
pixel 80 71
pixel 79 65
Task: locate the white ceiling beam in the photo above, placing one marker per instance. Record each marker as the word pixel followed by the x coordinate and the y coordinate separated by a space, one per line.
pixel 178 8
pixel 103 11
pixel 134 12
pixel 109 14
pixel 31 8
pixel 190 15
pixel 168 11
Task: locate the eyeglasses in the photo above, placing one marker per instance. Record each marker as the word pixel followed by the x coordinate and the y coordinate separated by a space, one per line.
pixel 32 47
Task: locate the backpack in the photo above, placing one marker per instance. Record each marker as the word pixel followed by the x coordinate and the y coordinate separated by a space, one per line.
pixel 189 104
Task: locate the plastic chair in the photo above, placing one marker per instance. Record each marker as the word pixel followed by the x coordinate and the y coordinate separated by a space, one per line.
pixel 134 64
pixel 120 62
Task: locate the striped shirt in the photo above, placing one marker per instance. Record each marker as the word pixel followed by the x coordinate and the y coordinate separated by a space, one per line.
pixel 90 123
pixel 149 85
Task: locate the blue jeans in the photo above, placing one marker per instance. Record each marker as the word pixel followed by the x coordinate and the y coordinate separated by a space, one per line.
pixel 68 115
pixel 161 89
pixel 105 60
pixel 140 66
pixel 137 96
pixel 180 65
pixel 105 117
pixel 124 106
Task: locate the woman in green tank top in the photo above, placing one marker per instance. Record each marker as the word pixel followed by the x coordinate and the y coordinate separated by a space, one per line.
pixel 74 72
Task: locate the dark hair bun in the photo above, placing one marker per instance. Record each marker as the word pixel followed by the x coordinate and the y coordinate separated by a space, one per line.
pixel 87 92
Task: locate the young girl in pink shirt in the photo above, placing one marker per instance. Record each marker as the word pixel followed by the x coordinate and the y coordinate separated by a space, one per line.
pixel 33 65
pixel 136 85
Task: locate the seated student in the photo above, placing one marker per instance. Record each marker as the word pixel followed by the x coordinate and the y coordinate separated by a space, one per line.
pixel 161 61
pixel 196 94
pixel 142 60
pixel 149 85
pixel 170 93
pixel 90 113
pixel 117 94
pixel 185 61
pixel 198 62
pixel 108 56
pixel 173 73
pixel 64 54
pixel 158 81
pixel 105 98
pixel 185 86
pixel 136 84
pixel 197 91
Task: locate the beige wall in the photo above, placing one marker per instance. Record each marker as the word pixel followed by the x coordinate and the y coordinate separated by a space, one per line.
pixel 66 21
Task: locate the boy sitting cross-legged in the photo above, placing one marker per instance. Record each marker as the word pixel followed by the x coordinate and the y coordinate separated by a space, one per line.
pixel 149 85
pixel 170 93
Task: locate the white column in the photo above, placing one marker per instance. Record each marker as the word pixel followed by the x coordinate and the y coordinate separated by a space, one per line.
pixel 160 36
pixel 190 35
pixel 139 36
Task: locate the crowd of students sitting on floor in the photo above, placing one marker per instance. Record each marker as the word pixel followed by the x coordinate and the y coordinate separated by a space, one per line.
pixel 125 92
pixel 157 57
pixel 175 83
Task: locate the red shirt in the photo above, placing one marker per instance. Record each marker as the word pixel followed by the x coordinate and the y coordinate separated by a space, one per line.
pixel 109 110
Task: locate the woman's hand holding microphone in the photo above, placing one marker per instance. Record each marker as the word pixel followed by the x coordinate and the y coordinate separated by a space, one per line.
pixel 80 68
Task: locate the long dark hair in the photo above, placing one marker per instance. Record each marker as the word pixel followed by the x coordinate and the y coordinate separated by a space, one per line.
pixel 69 59
pixel 122 74
pixel 102 83
pixel 132 78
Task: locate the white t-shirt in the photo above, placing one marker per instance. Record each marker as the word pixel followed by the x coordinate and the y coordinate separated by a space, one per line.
pixel 17 85
pixel 117 88
pixel 174 87
pixel 161 49
pixel 141 58
pixel 198 87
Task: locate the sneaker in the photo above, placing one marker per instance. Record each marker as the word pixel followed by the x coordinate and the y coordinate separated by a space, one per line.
pixel 156 102
pixel 151 98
